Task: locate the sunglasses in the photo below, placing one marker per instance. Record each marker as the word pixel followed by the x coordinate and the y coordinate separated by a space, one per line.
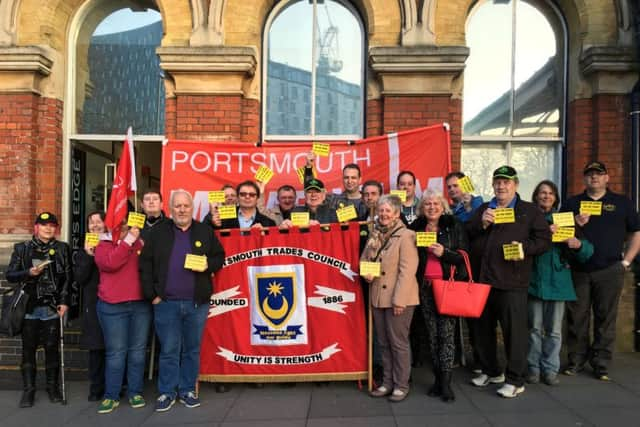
pixel 245 194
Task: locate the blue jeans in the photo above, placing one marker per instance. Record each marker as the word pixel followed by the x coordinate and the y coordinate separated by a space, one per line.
pixel 126 329
pixel 179 325
pixel 545 335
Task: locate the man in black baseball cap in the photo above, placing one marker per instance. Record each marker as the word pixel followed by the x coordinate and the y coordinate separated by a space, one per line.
pixel 605 219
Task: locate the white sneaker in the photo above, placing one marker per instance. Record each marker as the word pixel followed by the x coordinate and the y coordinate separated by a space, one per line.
pixel 484 380
pixel 509 391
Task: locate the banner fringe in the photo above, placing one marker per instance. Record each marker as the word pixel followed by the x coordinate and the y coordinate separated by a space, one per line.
pixel 350 376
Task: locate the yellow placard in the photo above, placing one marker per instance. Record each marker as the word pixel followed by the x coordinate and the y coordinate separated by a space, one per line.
pixel 372 268
pixel 346 213
pixel 91 239
pixel 426 238
pixel 591 208
pixel 504 216
pixel 320 149
pixel 513 251
pixel 264 174
pixel 563 219
pixel 216 196
pixel 300 219
pixel 563 233
pixel 136 219
pixel 195 262
pixel 400 193
pixel 227 212
pixel 465 184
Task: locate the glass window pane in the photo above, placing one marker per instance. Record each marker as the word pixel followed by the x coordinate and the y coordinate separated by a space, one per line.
pixel 539 80
pixel 339 91
pixel 487 77
pixel 535 162
pixel 479 161
pixel 289 71
pixel 119 81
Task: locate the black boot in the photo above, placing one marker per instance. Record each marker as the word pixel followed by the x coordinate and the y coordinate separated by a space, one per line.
pixel 53 385
pixel 447 392
pixel 29 383
pixel 436 389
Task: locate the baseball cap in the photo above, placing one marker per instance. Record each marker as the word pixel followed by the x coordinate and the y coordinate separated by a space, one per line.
pixel 46 218
pixel 505 172
pixel 595 166
pixel 314 184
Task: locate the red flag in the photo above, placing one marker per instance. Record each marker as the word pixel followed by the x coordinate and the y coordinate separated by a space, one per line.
pixel 124 184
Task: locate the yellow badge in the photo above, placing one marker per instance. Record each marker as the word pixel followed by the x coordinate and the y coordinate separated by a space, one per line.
pixel 51 251
pixel 44 216
pixel 198 243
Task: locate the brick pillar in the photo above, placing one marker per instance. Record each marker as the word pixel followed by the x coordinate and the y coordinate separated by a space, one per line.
pixel 215 117
pixel 409 112
pixel 250 120
pixel 30 160
pixel 610 133
pixel 579 142
pixel 374 118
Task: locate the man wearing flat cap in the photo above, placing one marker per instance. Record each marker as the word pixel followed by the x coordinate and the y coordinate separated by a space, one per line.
pixel 605 219
pixel 505 220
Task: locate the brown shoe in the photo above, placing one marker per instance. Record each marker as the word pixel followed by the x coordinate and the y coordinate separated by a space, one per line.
pixel 381 391
pixel 398 395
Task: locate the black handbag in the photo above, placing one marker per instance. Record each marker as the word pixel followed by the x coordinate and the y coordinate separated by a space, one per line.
pixel 14 307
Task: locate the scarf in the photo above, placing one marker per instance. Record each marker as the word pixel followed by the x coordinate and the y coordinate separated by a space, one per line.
pixel 379 237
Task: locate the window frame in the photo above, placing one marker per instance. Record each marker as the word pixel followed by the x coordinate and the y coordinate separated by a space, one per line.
pixel 312 136
pixel 557 142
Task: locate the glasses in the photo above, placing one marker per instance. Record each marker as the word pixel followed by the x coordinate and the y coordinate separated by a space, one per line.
pixel 245 194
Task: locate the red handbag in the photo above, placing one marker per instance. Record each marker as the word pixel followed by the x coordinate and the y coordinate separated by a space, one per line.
pixel 464 299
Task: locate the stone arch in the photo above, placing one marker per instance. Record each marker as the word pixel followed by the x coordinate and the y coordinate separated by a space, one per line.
pixel 8 21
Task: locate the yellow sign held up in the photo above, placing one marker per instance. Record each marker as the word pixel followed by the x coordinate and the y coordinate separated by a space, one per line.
pixel 300 219
pixel 513 251
pixel 346 213
pixel 91 239
pixel 321 149
pixel 264 174
pixel 563 219
pixel 195 262
pixel 465 184
pixel 426 238
pixel 400 193
pixel 591 208
pixel 372 268
pixel 563 233
pixel 227 212
pixel 504 216
pixel 136 219
pixel 216 196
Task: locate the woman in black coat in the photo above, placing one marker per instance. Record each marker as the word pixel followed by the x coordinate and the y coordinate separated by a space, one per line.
pixel 87 276
pixel 435 262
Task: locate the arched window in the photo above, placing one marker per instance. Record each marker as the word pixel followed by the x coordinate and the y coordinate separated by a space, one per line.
pixel 314 72
pixel 514 92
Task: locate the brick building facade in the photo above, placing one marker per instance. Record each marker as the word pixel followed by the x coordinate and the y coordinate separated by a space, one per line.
pixel 212 58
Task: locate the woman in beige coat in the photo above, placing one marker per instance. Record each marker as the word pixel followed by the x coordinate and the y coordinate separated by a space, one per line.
pixel 394 295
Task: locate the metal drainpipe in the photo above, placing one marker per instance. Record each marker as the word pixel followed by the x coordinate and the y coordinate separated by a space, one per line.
pixel 635 163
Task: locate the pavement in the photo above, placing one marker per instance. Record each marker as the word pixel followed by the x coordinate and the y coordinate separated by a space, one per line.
pixel 577 401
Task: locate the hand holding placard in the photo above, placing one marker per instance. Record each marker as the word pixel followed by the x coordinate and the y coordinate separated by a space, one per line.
pixel 346 213
pixel 264 174
pixel 321 149
pixel 216 196
pixel 136 219
pixel 563 219
pixel 563 233
pixel 513 251
pixel 504 216
pixel 400 193
pixel 591 208
pixel 370 268
pixel 195 262
pixel 465 184
pixel 91 240
pixel 300 219
pixel 426 238
pixel 227 212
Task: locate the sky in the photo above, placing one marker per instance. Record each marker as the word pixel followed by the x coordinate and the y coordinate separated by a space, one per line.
pixel 125 19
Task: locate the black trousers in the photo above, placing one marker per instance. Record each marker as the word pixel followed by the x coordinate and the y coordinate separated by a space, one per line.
pixel 598 291
pixel 35 332
pixel 96 371
pixel 509 307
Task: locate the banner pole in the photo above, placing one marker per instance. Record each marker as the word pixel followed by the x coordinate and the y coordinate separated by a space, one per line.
pixel 370 352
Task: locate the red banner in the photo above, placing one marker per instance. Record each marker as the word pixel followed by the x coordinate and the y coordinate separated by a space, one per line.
pixel 287 307
pixel 200 167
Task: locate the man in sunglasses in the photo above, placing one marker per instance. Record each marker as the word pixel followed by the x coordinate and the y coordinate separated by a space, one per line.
pixel 248 215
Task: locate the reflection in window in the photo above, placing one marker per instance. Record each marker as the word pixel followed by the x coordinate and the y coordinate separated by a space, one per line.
pixel 314 56
pixel 514 91
pixel 124 85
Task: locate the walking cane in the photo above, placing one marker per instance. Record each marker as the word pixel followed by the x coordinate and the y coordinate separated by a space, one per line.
pixel 64 391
